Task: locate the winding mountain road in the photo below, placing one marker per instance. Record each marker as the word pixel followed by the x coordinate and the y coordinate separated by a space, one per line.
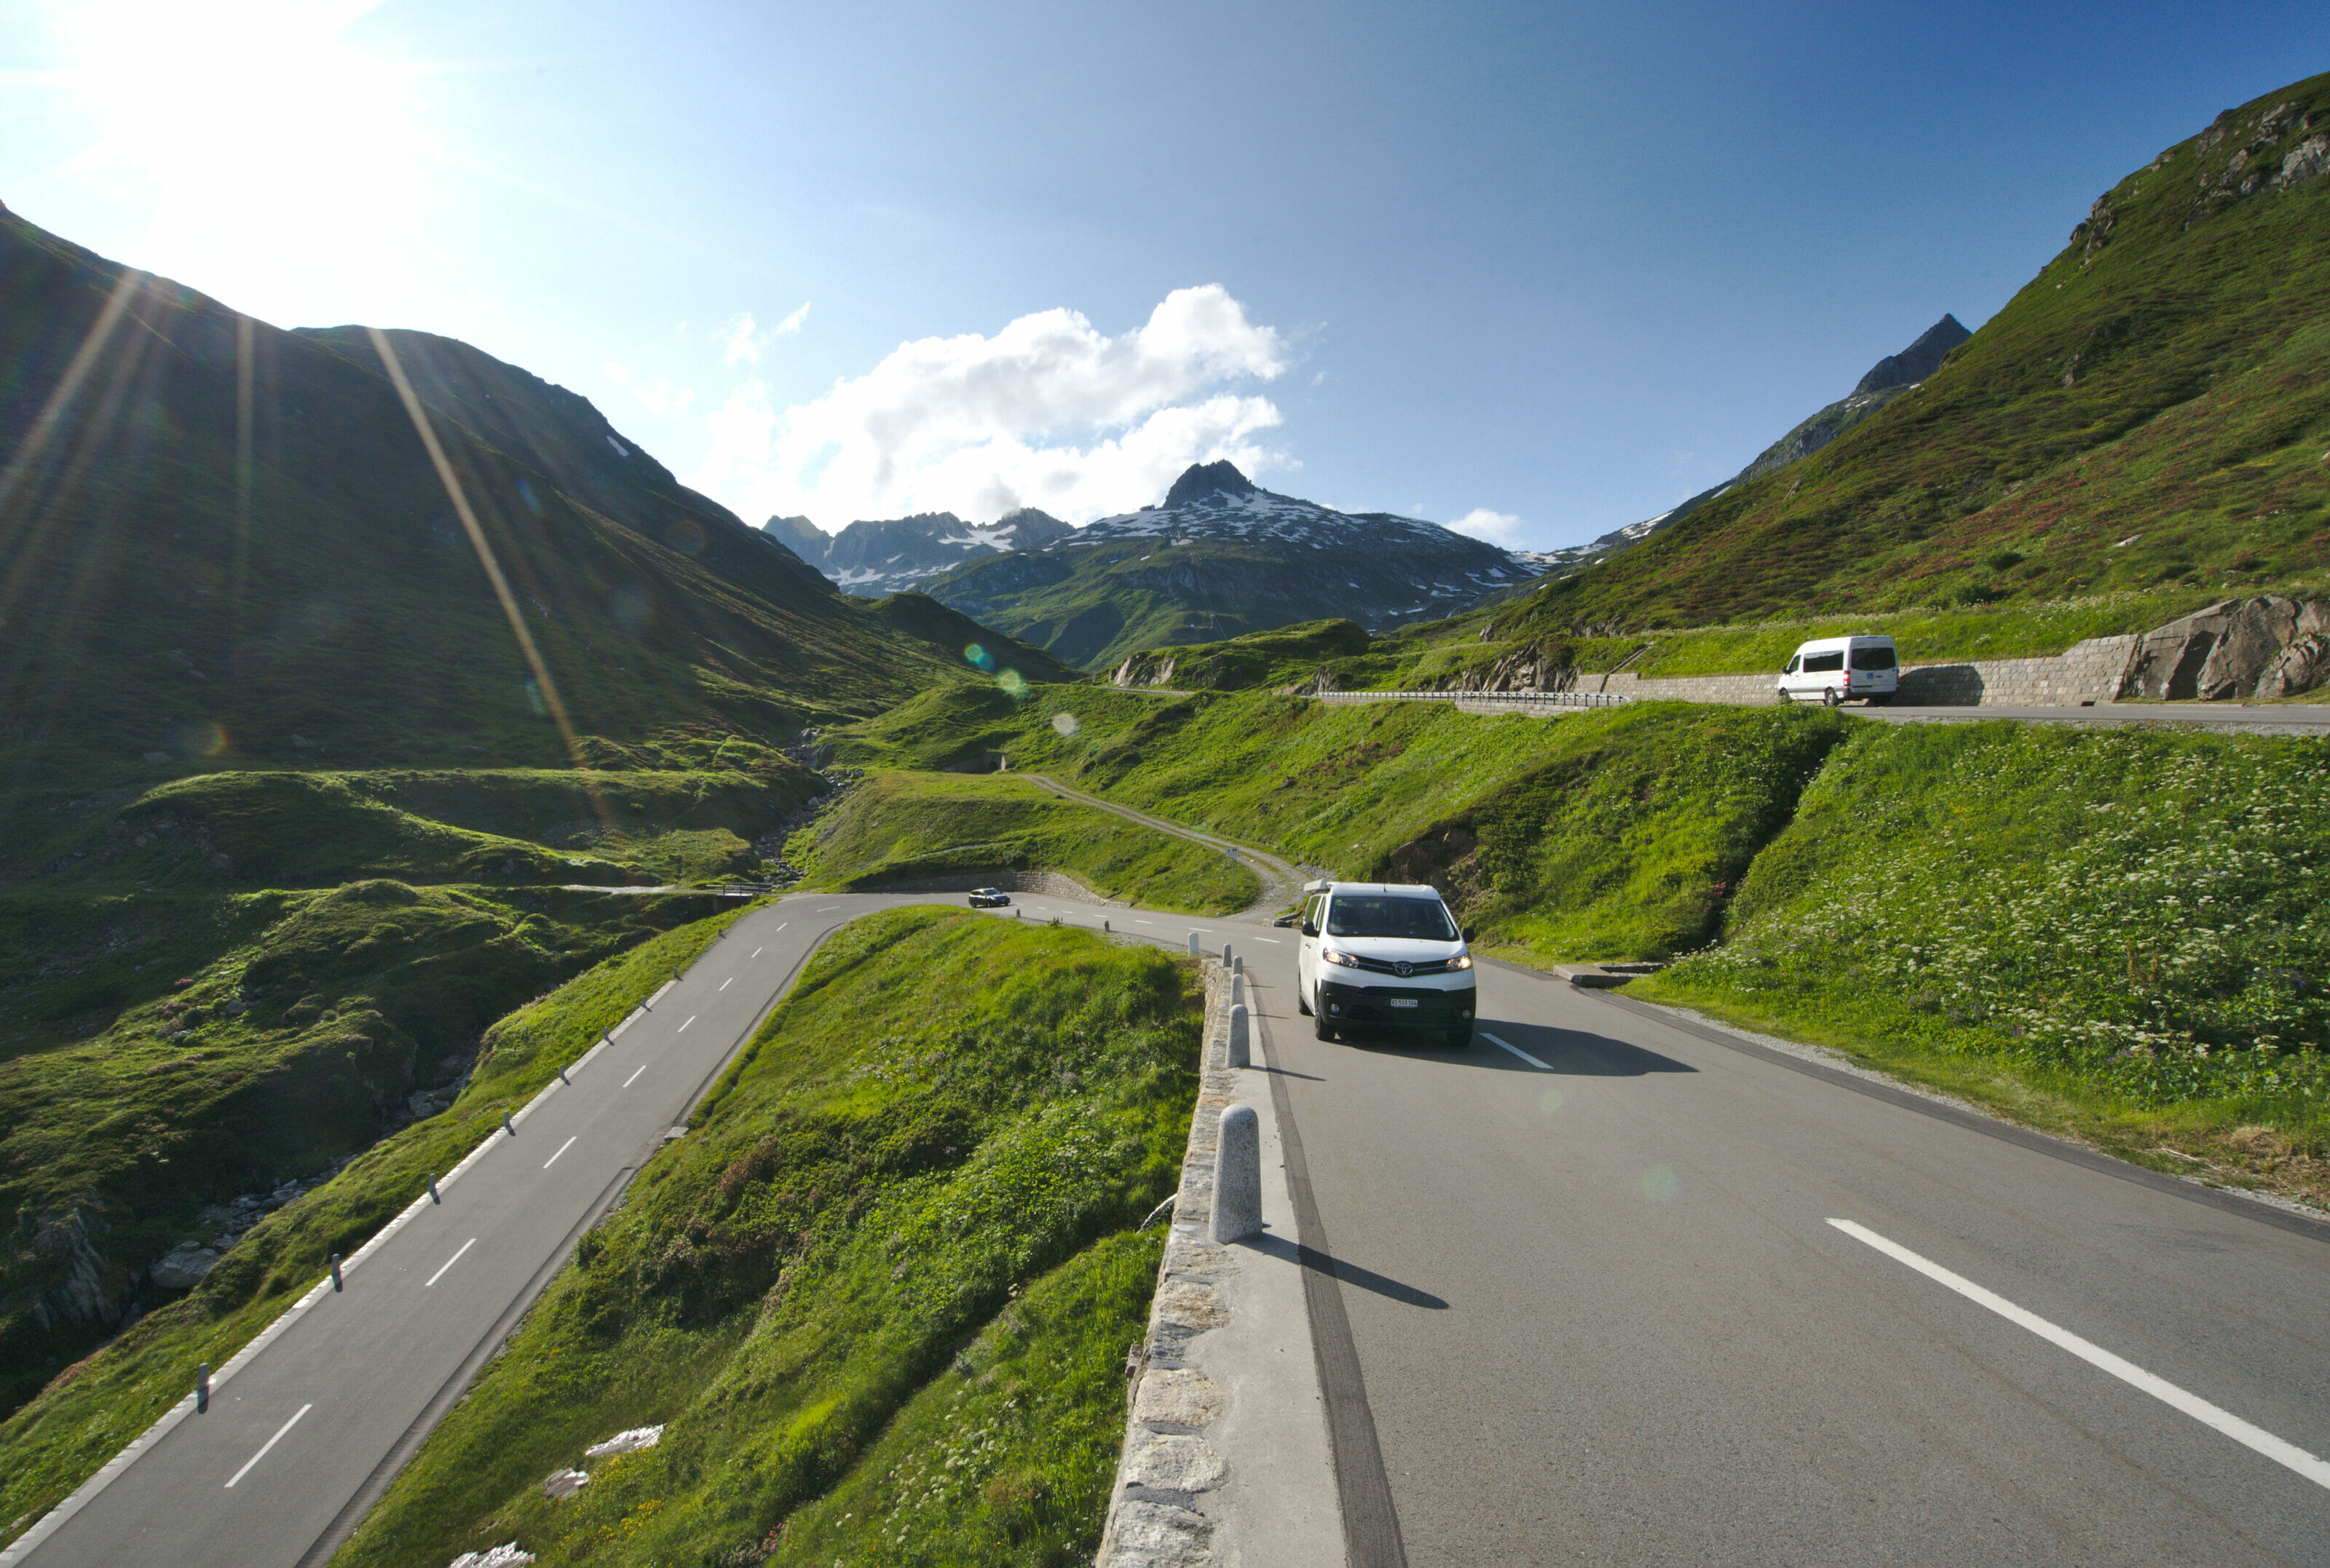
pixel 1616 1287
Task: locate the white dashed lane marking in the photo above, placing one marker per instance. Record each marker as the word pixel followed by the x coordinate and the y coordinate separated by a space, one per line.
pixel 269 1443
pixel 2278 1451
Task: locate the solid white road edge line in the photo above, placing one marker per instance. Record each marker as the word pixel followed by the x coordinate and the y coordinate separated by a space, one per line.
pixel 2273 1447
pixel 269 1443
pixel 634 1078
pixel 1525 1056
pixel 562 1149
pixel 449 1262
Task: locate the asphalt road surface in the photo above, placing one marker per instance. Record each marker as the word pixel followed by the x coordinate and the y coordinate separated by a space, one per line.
pixel 305 1436
pixel 1622 1294
pixel 1618 1292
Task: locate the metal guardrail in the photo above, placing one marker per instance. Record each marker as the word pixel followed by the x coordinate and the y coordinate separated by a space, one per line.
pixel 1517 699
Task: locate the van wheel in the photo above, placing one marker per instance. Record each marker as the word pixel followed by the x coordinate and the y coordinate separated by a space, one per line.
pixel 1879 699
pixel 1320 1028
pixel 1828 698
pixel 1302 1002
pixel 1788 697
pixel 1460 1038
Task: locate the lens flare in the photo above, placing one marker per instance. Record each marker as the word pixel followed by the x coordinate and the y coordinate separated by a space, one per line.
pixel 200 738
pixel 684 535
pixel 1013 682
pixel 1066 723
pixel 979 658
pixel 1549 1101
pixel 1660 1185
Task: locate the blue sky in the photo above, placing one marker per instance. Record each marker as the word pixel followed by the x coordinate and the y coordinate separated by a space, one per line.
pixel 1548 268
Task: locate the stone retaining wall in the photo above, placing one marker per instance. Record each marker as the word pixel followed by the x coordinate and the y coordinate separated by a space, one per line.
pixel 2090 672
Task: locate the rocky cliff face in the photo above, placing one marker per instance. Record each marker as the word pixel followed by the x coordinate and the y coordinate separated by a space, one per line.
pixel 2266 646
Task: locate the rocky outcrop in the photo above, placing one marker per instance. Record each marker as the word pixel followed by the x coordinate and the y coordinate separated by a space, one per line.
pixel 1146 669
pixel 2251 164
pixel 1540 666
pixel 182 1268
pixel 2268 647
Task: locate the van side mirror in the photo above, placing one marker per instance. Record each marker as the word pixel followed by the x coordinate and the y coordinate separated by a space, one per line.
pixel 1309 930
pixel 1471 933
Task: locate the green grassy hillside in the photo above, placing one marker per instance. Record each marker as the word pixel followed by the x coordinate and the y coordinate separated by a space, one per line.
pixel 2116 932
pixel 2151 409
pixel 902 826
pixel 303 721
pixel 87 1410
pixel 2138 903
pixel 881 1295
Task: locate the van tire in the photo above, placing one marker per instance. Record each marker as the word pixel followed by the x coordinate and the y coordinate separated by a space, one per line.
pixel 1787 698
pixel 1302 1002
pixel 1879 699
pixel 1829 698
pixel 1320 1029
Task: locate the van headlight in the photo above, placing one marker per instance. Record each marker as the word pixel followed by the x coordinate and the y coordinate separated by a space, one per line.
pixel 1335 957
pixel 1461 961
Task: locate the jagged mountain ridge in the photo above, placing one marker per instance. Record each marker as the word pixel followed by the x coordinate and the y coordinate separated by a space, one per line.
pixel 555 431
pixel 2149 409
pixel 1887 380
pixel 1220 557
pixel 892 555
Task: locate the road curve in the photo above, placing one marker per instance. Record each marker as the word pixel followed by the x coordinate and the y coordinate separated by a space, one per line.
pixel 1280 880
pixel 1608 1286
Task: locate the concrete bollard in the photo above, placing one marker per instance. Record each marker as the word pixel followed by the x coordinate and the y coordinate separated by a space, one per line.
pixel 563 1079
pixel 1241 1050
pixel 1193 949
pixel 432 1189
pixel 1238 965
pixel 508 1126
pixel 1237 1176
pixel 1228 958
pixel 335 1271
pixel 1237 991
pixel 1103 923
pixel 201 1388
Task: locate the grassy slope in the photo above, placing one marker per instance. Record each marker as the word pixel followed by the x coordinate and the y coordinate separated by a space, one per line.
pixel 248 654
pixel 89 1410
pixel 814 1289
pixel 1655 829
pixel 1465 649
pixel 2152 412
pixel 2119 932
pixel 896 826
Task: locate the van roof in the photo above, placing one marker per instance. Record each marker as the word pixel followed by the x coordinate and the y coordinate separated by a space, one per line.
pixel 1853 641
pixel 1404 889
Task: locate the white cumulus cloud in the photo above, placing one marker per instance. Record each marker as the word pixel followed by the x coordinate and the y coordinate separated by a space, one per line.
pixel 1501 528
pixel 661 398
pixel 1048 411
pixel 791 324
pixel 739 339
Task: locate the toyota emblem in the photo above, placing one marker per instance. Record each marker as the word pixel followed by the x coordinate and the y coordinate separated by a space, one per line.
pixel 1404 969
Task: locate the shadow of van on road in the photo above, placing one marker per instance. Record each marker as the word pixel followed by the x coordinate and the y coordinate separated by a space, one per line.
pixel 1573 1053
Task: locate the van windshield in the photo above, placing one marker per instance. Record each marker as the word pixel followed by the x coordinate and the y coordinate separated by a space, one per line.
pixel 1360 914
pixel 1872 658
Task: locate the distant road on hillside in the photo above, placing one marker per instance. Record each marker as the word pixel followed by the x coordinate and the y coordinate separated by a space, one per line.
pixel 1281 880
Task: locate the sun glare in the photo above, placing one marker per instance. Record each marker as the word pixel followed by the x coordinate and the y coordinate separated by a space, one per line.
pixel 256 126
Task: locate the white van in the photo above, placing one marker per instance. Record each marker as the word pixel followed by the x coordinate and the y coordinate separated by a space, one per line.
pixel 1834 669
pixel 1383 955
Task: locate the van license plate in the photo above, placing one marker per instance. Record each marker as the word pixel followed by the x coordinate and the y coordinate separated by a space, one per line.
pixel 1403 1001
